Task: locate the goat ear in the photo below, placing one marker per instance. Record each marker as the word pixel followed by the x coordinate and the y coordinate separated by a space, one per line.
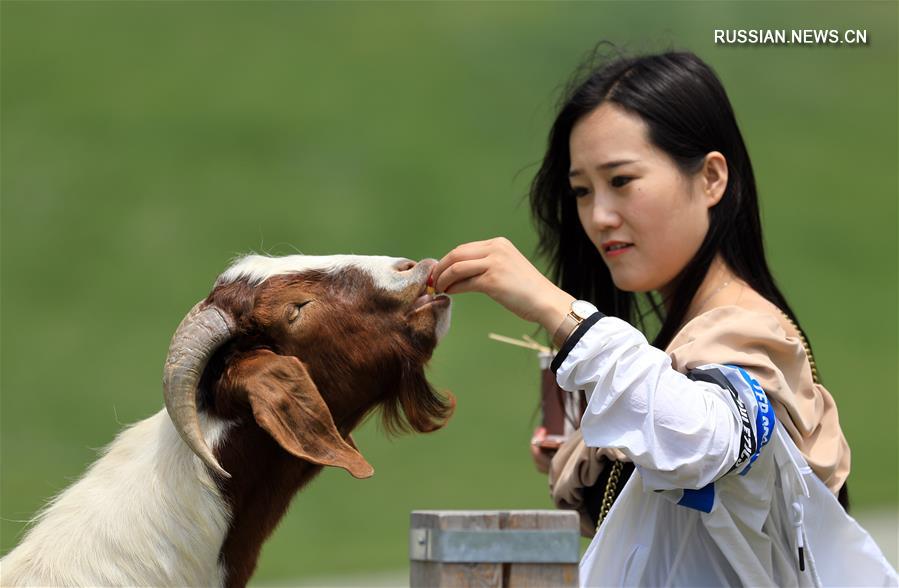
pixel 287 404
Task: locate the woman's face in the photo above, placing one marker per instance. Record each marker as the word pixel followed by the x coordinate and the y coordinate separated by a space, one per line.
pixel 629 191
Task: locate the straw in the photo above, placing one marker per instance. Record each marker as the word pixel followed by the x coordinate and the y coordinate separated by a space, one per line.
pixel 527 343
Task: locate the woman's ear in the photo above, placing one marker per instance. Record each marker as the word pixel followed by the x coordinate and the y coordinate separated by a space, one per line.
pixel 714 178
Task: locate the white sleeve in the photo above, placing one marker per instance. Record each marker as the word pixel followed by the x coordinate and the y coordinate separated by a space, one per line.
pixel 679 432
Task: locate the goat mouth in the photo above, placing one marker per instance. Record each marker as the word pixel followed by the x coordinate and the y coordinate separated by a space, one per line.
pixel 427 300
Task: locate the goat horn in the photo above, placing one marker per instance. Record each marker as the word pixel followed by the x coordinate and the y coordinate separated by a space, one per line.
pixel 195 340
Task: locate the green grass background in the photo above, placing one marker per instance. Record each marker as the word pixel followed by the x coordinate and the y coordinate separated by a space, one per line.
pixel 145 144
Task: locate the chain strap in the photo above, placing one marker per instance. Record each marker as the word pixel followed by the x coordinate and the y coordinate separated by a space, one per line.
pixel 611 492
pixel 805 345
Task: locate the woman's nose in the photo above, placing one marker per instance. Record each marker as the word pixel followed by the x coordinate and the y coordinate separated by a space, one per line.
pixel 604 217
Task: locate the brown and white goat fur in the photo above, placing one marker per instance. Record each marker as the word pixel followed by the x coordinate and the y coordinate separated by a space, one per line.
pixel 264 381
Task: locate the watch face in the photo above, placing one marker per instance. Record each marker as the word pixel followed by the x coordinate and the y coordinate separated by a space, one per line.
pixel 582 308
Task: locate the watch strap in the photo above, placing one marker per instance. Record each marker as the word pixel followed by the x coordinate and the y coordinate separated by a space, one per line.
pixel 573 339
pixel 565 328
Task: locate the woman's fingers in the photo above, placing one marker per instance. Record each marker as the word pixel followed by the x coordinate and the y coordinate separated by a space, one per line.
pixel 464 252
pixel 460 276
pixel 541 457
pixel 498 246
pixel 497 268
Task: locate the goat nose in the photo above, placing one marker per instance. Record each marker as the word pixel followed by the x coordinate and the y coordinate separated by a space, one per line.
pixel 404 265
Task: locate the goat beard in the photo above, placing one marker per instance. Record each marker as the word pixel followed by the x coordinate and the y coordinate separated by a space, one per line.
pixel 425 410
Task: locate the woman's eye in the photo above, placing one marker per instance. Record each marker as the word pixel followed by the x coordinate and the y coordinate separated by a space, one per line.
pixel 577 191
pixel 619 181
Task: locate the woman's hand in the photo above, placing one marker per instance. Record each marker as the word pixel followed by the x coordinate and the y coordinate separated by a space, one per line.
pixel 542 456
pixel 496 268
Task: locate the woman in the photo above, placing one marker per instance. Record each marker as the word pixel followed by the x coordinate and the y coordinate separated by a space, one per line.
pixel 646 186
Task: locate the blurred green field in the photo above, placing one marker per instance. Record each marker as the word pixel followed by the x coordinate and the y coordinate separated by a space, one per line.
pixel 144 145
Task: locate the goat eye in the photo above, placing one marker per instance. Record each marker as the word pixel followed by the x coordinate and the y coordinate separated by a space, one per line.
pixel 294 311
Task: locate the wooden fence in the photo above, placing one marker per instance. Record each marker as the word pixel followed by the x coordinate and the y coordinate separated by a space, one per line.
pixel 502 549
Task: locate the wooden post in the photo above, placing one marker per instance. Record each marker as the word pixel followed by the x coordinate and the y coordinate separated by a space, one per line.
pixel 505 549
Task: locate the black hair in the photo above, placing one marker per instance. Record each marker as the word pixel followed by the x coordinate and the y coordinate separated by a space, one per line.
pixel 688 115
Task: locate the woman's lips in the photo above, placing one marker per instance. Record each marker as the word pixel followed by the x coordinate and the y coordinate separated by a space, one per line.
pixel 619 251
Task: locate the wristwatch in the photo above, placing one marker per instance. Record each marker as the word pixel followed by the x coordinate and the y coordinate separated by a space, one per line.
pixel 580 309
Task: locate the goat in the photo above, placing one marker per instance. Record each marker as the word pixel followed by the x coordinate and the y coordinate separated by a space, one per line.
pixel 263 383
